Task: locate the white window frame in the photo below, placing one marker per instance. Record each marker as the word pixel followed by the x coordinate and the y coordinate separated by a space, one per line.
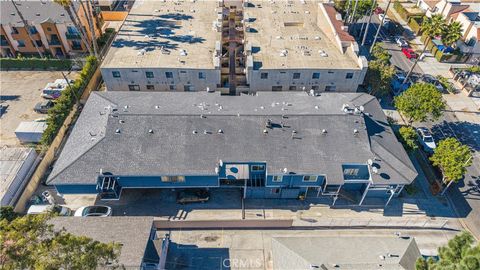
pixel 173 179
pixel 306 178
pixel 277 178
pixel 262 170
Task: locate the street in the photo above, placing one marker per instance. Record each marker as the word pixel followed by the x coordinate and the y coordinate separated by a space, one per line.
pixel 465 195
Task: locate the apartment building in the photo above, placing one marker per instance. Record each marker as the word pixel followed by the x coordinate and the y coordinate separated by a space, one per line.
pixel 50 27
pixel 269 145
pixel 233 47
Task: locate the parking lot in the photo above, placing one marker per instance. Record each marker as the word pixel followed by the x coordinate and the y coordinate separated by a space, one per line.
pixel 20 91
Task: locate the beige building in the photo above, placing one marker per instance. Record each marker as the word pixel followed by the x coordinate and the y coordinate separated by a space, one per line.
pixel 234 47
pixel 50 27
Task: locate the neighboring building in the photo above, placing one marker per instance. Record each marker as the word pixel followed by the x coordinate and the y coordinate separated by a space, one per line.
pixel 139 247
pixel 469 45
pixel 271 145
pixel 352 253
pixel 51 28
pixel 16 165
pixel 234 47
pixel 30 131
pixel 446 8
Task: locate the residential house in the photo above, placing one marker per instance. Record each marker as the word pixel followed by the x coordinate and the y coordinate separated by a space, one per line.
pixel 50 27
pixel 270 145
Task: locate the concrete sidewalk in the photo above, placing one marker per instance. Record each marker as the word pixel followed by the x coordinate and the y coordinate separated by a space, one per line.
pixel 465 108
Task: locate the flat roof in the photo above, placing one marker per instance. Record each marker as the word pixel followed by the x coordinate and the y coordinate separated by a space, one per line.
pixel 12 162
pixel 112 134
pixel 133 234
pixel 298 27
pixel 390 252
pixel 155 33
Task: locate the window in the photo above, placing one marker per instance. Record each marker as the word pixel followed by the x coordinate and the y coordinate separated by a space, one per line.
pixel 275 190
pixel 39 43
pixel 277 178
pixel 134 87
pixel 330 88
pixel 330 72
pixel 21 43
pixel 173 179
pixel 33 30
pixel 277 88
pixel 169 74
pixel 264 75
pixel 296 75
pixel 349 75
pixel 171 86
pixel 149 74
pixel 116 74
pixel 257 168
pixel 14 30
pixel 150 87
pixel 49 29
pixel 292 88
pixel 76 45
pixel 309 178
pixel 351 171
pixel 201 76
pixel 183 72
pixel 316 75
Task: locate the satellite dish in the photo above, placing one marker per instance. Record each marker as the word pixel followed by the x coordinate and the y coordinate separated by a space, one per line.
pixel 375 170
pixel 370 162
pixel 285 170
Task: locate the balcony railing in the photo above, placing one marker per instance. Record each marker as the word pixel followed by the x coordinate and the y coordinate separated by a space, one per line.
pixel 73 35
pixel 3 42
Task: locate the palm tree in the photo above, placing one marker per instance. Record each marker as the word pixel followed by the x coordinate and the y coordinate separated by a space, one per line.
pixel 88 15
pixel 432 27
pixel 68 6
pixel 453 32
pixel 28 29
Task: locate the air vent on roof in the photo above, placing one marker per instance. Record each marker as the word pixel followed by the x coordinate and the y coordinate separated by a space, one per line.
pixel 117 131
pixel 194 132
pixel 150 131
pixel 183 52
pixel 37 14
pixel 322 53
pixel 220 131
pixel 283 53
pixel 324 131
pixel 355 131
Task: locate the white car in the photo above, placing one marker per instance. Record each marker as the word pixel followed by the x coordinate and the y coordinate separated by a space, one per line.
pixel 45 208
pixel 401 42
pixel 93 211
pixel 381 16
pixel 426 139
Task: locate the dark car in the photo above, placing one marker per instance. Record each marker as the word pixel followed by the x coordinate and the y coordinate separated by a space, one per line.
pixel 43 107
pixel 192 195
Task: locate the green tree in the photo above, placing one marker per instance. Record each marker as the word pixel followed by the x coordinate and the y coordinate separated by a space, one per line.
pixel 452 33
pixel 6 212
pixel 453 158
pixel 431 27
pixel 420 102
pixel 363 8
pixel 460 253
pixel 30 242
pixel 408 137
pixel 380 72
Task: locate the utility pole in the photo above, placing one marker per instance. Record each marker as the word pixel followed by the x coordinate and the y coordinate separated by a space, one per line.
pixel 88 15
pixel 347 14
pixel 368 23
pixel 354 12
pixel 380 26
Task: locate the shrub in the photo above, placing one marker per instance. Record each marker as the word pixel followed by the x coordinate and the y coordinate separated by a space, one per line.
pixel 401 10
pixel 35 63
pixel 408 136
pixel 59 112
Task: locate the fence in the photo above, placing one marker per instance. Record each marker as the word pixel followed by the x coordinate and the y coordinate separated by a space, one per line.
pixel 385 222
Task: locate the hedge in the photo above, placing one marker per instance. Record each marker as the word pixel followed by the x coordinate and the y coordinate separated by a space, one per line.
pixel 415 22
pixel 64 104
pixel 35 63
pixel 401 10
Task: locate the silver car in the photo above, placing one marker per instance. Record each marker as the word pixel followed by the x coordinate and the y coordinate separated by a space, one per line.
pixel 425 138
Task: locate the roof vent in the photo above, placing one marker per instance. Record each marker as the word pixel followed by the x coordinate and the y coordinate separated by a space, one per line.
pixel 355 131
pixel 117 131
pixel 183 52
pixel 205 131
pixel 268 124
pixel 157 107
pixel 202 116
pixel 265 131
pixel 150 131
pixel 316 107
pixel 322 53
pixel 283 53
pixel 37 14
pixel 324 131
pixel 382 257
pixel 220 131
pixel 194 132
pixel 121 121
pixel 294 131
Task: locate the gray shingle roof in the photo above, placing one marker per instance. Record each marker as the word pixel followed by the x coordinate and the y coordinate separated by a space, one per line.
pixel 133 233
pixel 34 12
pixel 173 148
pixel 344 253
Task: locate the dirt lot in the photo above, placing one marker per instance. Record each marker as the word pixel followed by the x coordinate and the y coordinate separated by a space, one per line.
pixel 20 91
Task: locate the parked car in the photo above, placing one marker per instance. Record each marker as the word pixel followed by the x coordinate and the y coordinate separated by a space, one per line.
pixel 427 78
pixel 46 208
pixel 44 106
pixel 192 195
pixel 378 10
pixel 397 83
pixel 381 17
pixel 425 138
pixel 409 53
pixel 401 42
pixel 93 211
